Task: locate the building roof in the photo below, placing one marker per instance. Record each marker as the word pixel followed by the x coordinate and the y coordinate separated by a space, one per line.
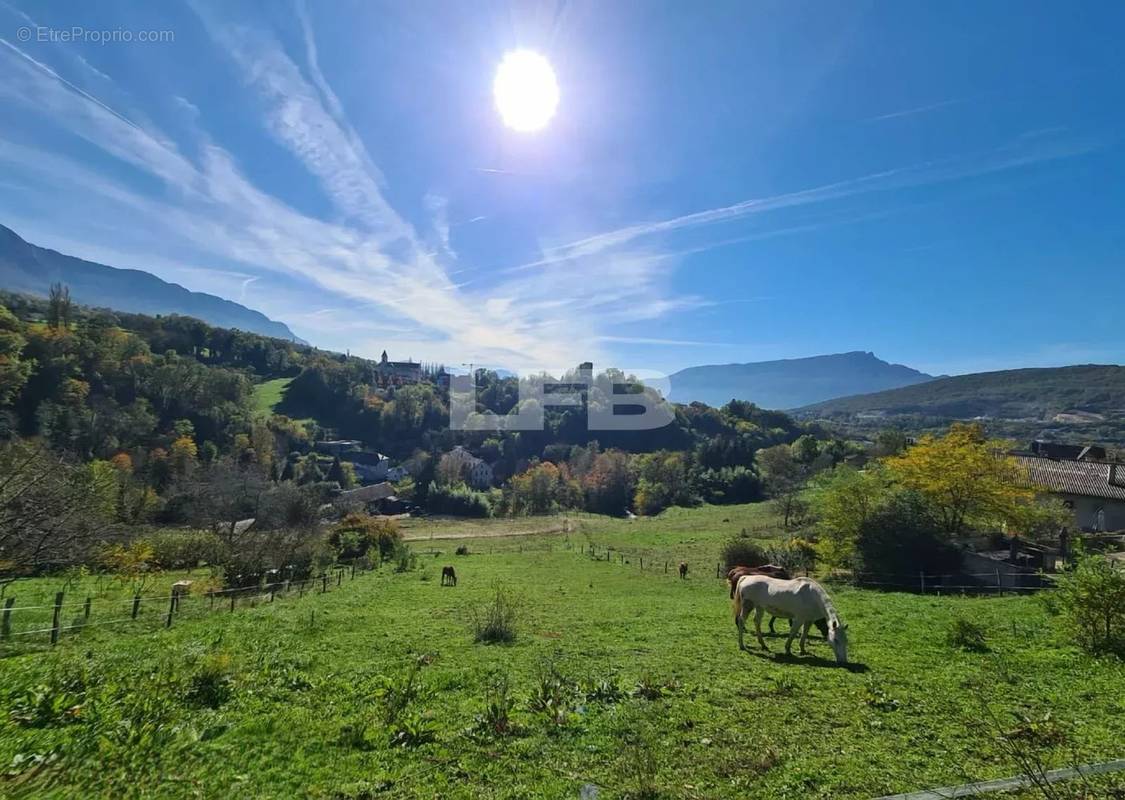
pixel 1089 478
pixel 367 494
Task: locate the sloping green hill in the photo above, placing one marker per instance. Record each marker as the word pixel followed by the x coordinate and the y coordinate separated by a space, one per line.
pixel 1079 403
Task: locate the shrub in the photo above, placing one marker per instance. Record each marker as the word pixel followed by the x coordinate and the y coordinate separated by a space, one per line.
pixel 496 622
pixel 356 534
pixel 902 538
pixel 458 500
pixel 462 550
pixel 185 549
pixel 1092 597
pixel 796 555
pixel 741 551
pixel 964 634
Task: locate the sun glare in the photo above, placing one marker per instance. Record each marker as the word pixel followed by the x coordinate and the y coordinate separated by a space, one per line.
pixel 525 90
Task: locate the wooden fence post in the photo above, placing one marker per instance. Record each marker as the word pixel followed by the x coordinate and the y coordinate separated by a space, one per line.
pixel 324 583
pixel 232 598
pixel 718 570
pixel 171 609
pixel 922 581
pixel 301 588
pixel 136 605
pixel 339 577
pixel 6 625
pixel 999 583
pixel 55 618
pixel 86 608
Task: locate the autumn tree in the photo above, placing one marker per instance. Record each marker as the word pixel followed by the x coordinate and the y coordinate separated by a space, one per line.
pixel 14 371
pixel 967 480
pixel 843 500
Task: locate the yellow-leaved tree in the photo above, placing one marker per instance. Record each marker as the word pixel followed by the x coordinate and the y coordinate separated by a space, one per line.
pixel 966 479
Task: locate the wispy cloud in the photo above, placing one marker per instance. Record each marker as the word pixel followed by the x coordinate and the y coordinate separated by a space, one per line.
pixel 1022 151
pixel 383 274
pixel 662 342
pixel 910 112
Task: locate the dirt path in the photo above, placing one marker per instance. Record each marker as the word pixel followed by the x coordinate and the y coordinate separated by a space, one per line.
pixel 481 533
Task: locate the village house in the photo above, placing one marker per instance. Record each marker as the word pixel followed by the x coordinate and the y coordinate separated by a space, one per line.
pixel 1093 488
pixel 477 472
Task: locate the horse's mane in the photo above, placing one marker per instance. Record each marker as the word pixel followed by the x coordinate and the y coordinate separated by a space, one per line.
pixel 833 616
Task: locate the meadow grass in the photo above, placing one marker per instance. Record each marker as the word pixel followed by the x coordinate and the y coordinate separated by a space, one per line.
pixel 623 679
pixel 268 394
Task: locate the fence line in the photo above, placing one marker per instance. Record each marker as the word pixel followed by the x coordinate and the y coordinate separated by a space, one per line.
pixel 319 584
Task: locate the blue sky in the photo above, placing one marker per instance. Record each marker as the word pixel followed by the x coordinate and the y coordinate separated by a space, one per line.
pixel 940 183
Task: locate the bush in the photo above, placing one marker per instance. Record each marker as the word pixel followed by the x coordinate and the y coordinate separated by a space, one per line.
pixel 964 634
pixel 796 555
pixel 356 534
pixel 462 550
pixel 459 501
pixel 496 622
pixel 185 549
pixel 741 551
pixel 902 538
pixel 1092 597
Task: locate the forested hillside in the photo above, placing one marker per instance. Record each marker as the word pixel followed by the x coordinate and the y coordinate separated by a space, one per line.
pixel 1078 403
pixel 169 403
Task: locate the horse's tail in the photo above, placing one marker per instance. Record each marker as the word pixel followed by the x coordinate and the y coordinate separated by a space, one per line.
pixel 736 599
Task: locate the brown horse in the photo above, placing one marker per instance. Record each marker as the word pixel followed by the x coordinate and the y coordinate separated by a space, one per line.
pixel 448 576
pixel 770 571
pixel 683 570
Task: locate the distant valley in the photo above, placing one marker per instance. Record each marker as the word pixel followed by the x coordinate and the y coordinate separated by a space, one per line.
pixel 30 269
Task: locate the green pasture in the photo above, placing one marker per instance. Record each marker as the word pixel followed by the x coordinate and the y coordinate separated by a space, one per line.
pixel 289 698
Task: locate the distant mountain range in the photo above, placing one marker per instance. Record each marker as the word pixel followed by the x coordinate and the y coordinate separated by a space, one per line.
pixel 30 269
pixel 1079 403
pixel 792 382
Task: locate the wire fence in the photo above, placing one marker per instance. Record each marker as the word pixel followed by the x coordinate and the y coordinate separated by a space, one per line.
pixel 1005 579
pixel 22 624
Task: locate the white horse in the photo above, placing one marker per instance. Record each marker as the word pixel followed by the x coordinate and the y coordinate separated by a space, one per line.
pixel 800 600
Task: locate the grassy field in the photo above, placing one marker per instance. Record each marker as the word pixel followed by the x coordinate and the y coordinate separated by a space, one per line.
pixel 292 698
pixel 269 394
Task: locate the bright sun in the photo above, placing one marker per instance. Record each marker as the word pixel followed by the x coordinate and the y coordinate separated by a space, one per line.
pixel 525 90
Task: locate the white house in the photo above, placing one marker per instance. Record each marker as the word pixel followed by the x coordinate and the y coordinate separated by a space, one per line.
pixel 477 472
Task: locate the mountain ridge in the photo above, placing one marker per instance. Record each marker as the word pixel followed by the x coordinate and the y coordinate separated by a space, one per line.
pixel 1078 402
pixel 31 269
pixel 792 382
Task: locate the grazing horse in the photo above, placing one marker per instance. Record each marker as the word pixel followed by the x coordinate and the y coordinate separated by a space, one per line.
pixel 683 570
pixel 802 601
pixel 773 571
pixel 448 576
